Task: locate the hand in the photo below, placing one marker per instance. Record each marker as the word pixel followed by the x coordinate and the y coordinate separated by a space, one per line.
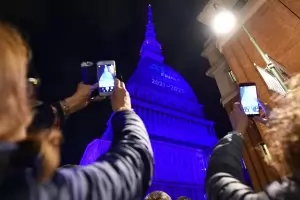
pixel 264 115
pixel 120 99
pixel 81 98
pixel 238 118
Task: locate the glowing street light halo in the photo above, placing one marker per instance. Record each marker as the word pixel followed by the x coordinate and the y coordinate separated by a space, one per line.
pixel 224 22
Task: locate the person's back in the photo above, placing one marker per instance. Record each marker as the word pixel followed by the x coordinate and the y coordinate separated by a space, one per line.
pixel 224 179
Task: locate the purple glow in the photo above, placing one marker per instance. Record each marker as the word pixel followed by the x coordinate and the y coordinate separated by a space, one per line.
pixel 181 137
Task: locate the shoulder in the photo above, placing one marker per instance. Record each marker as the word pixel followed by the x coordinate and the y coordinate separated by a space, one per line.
pixel 16 185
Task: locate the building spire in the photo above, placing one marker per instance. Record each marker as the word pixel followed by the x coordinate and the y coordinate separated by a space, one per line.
pixel 151 47
pixel 150 18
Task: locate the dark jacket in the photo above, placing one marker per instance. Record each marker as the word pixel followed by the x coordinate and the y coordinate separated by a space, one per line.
pixel 224 178
pixel 123 173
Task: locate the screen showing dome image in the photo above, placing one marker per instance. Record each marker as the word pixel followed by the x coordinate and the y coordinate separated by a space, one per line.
pixel 249 99
pixel 106 75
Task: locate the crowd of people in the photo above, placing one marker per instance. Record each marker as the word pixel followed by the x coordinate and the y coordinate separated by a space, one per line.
pixel 30 140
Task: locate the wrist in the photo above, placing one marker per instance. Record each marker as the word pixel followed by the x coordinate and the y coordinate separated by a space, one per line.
pixel 68 105
pixel 238 133
pixel 65 107
pixel 123 109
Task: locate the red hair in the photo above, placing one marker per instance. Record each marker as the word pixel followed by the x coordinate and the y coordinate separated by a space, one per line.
pixel 283 137
pixel 14 108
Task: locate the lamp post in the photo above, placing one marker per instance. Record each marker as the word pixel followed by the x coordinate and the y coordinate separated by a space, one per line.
pixel 225 21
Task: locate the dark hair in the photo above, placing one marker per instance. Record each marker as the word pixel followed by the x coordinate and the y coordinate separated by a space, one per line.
pixel 43 119
pixel 183 198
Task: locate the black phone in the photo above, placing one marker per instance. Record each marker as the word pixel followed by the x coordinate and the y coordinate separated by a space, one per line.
pixel 89 75
pixel 106 72
pixel 249 99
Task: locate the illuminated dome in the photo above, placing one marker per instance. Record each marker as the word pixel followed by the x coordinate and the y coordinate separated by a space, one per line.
pixel 180 135
pixel 159 84
pixel 155 82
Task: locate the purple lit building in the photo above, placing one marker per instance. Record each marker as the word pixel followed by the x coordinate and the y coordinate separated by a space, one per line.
pixel 181 137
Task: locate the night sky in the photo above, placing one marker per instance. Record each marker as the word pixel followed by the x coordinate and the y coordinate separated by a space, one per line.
pixel 64 33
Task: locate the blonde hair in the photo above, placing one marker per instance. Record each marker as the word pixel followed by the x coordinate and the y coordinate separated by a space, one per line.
pixel 14 108
pixel 283 137
pixel 158 195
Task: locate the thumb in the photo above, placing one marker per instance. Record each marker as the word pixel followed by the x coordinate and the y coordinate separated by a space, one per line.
pixel 232 119
pixel 117 83
pixel 95 86
pixel 237 106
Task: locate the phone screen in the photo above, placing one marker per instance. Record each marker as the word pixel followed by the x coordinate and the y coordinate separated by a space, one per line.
pixel 249 99
pixel 106 71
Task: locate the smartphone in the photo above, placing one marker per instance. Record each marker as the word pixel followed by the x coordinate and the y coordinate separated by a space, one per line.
pixel 106 73
pixel 88 74
pixel 249 99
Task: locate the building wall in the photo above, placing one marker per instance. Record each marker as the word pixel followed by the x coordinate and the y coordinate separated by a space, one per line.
pixel 275 24
pixel 276 29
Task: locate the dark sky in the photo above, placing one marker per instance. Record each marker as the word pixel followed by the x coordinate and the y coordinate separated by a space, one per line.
pixel 64 33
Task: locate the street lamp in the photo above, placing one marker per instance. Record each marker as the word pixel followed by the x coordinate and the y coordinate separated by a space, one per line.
pixel 225 21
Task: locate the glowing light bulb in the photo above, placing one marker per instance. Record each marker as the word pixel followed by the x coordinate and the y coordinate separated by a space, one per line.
pixel 223 22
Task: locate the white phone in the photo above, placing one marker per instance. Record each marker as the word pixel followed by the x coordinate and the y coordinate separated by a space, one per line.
pixel 106 73
pixel 249 100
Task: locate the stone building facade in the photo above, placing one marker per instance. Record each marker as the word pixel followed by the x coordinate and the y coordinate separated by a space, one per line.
pixel 275 25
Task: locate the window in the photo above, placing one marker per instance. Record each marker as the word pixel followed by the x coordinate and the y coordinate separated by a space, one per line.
pixel 239 5
pixel 232 76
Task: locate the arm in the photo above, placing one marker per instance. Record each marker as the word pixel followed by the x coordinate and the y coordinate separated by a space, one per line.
pixel 227 156
pixel 124 173
pixel 224 173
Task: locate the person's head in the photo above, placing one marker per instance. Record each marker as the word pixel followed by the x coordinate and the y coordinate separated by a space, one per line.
pixel 158 195
pixel 15 113
pixel 183 198
pixel 49 143
pixel 44 133
pixel 283 137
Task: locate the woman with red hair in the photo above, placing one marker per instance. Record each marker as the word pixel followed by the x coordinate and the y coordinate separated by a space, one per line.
pixel 124 173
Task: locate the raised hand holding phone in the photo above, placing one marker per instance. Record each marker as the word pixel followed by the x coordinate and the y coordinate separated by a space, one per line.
pixel 252 106
pixel 120 99
pixel 249 99
pixel 238 118
pixel 106 73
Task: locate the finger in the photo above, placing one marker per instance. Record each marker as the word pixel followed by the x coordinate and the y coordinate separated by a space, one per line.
pixel 262 106
pixel 81 83
pixel 231 115
pixel 117 83
pixel 97 98
pixel 123 85
pixel 237 106
pixel 95 86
